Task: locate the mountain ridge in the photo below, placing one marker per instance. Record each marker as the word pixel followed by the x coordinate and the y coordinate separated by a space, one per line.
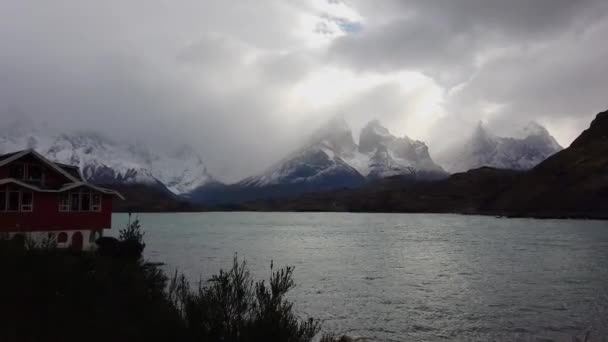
pixel 572 183
pixel 331 159
pixel 483 148
pixel 105 161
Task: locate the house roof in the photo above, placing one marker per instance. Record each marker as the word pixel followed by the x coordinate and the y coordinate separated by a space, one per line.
pixel 37 155
pixel 70 172
pixel 65 188
pixel 8 155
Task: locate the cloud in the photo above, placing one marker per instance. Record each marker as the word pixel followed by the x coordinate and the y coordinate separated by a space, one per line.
pixel 245 82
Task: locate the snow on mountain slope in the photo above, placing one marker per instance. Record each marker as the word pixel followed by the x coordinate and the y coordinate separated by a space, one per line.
pixel 332 153
pixel 534 145
pixel 320 162
pixel 381 154
pixel 104 161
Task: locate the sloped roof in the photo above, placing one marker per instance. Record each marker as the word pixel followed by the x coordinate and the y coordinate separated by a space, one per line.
pixel 70 172
pixel 8 155
pixel 18 155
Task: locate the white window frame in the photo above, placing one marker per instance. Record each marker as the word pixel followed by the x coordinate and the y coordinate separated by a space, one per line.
pixel 26 208
pixel 93 207
pixel 21 208
pixel 8 196
pixel 64 208
pixel 96 207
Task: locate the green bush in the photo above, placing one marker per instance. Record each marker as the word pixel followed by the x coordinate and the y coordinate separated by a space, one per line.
pixel 65 295
pixel 231 307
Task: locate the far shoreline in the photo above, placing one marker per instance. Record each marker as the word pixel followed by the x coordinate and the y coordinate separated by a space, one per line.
pixel 578 217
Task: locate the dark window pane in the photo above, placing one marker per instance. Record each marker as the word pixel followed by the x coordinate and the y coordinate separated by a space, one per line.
pixel 86 202
pixel 62 238
pixel 27 201
pixel 16 171
pixel 34 172
pixel 13 201
pixel 75 202
pixel 64 202
pixel 2 201
pixel 27 198
pixel 96 202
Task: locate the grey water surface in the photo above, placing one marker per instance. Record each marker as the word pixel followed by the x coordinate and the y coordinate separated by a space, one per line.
pixel 409 277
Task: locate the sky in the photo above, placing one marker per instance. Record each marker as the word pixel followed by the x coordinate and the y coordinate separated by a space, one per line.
pixel 244 82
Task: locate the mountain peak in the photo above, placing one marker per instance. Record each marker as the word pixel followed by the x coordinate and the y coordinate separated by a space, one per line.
pixel 518 153
pixel 534 128
pixel 376 127
pixel 335 135
pixel 373 136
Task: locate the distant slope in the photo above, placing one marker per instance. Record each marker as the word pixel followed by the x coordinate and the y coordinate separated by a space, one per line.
pixel 486 149
pixel 105 161
pixel 331 160
pixel 571 183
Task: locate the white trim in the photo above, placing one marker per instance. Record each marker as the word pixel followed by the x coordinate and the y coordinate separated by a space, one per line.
pixel 31 205
pixel 41 158
pixel 64 189
pixel 20 205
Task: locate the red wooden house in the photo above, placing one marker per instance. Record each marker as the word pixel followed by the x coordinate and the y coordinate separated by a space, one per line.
pixel 40 199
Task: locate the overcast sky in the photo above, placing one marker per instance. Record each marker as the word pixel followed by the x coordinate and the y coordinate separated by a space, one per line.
pixel 244 81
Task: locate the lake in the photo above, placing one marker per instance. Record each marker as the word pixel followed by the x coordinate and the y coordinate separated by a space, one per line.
pixel 409 277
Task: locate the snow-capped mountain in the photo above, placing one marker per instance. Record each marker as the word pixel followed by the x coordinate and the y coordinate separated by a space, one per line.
pixel 381 154
pixel 104 161
pixel 333 157
pixel 321 162
pixel 483 148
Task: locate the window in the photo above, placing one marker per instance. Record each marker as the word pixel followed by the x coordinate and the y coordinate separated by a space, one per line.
pixel 27 201
pixel 85 201
pixel 17 171
pixel 80 201
pixel 34 172
pixel 74 201
pixel 13 201
pixel 64 202
pixel 96 202
pixel 62 237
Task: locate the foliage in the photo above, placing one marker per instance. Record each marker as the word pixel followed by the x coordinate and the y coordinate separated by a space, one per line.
pixel 132 232
pixel 62 295
pixel 231 307
pixel 65 295
pixel 130 245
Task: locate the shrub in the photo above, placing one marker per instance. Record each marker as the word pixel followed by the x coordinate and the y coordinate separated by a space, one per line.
pixel 232 308
pixel 129 247
pixel 64 295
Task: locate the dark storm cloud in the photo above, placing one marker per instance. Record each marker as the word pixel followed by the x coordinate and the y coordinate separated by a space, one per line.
pixel 445 39
pixel 509 60
pixel 220 75
pixel 157 72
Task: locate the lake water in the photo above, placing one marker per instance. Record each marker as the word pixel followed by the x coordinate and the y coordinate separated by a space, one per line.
pixel 409 277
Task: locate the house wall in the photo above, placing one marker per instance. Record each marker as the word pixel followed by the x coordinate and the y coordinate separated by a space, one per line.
pixel 40 238
pixel 47 217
